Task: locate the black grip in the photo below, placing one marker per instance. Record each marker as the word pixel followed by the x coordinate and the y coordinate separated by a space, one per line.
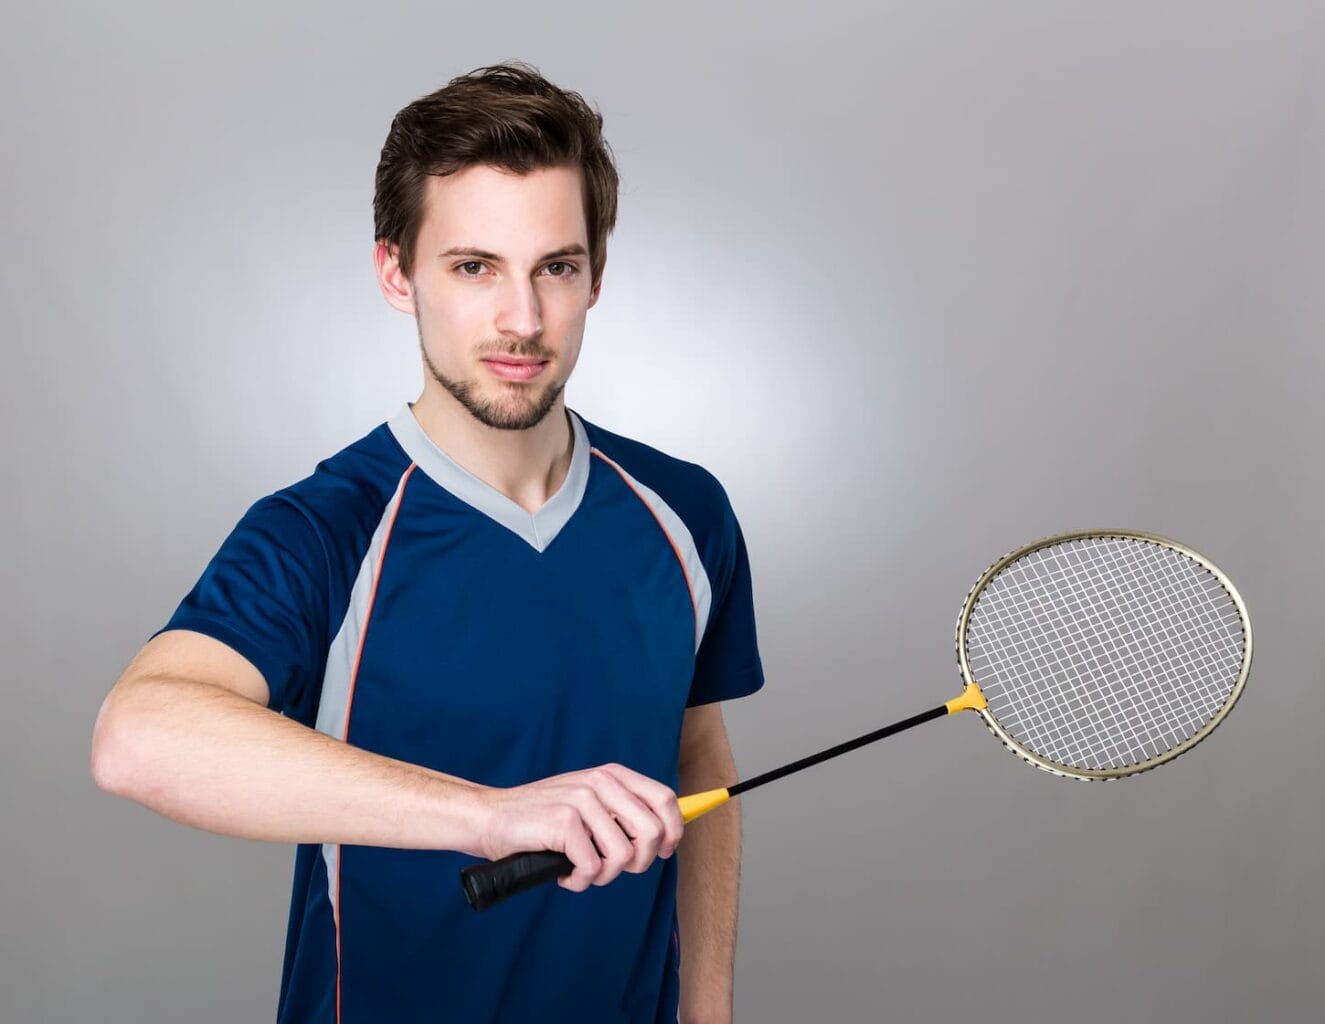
pixel 490 882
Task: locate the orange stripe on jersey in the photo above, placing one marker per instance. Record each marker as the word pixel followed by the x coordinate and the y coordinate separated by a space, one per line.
pixel 354 677
pixel 685 575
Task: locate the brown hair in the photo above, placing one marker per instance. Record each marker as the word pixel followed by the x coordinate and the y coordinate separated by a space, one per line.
pixel 507 115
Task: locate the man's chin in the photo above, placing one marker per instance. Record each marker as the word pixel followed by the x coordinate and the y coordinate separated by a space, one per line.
pixel 514 412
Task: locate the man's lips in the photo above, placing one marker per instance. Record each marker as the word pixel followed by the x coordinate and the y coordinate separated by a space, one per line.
pixel 515 367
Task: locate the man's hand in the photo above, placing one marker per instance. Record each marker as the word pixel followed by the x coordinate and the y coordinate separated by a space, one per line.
pixel 606 820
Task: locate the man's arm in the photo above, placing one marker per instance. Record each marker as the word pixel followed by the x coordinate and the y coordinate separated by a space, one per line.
pixel 708 872
pixel 186 732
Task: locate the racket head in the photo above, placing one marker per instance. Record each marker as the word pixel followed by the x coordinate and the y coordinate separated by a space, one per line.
pixel 1070 635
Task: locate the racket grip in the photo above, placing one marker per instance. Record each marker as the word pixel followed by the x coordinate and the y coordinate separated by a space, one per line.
pixel 488 883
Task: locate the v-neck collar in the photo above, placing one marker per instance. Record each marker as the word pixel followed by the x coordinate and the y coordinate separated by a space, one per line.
pixel 538 528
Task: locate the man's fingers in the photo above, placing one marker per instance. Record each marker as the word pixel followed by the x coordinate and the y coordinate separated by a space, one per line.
pixel 669 813
pixel 607 820
pixel 660 800
pixel 581 852
pixel 636 818
pixel 613 844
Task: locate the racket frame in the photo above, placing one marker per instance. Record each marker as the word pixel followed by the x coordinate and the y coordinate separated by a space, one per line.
pixel 1091 774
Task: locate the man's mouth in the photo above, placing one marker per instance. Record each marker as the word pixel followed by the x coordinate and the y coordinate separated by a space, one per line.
pixel 515 367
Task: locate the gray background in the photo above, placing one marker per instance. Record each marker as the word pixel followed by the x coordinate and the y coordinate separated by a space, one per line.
pixel 919 283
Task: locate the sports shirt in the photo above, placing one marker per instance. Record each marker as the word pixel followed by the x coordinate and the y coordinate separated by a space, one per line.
pixel 395 601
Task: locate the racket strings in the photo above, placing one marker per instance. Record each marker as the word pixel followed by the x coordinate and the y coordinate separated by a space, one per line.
pixel 1104 652
pixel 1131 714
pixel 1127 709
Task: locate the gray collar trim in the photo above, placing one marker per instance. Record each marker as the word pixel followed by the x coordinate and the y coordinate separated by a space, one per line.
pixel 537 529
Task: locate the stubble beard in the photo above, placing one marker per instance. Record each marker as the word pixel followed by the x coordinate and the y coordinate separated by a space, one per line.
pixel 523 413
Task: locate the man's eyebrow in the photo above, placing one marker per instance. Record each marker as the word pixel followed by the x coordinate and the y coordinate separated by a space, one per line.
pixel 483 254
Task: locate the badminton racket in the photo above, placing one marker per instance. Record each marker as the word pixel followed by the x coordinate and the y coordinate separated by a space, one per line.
pixel 1093 655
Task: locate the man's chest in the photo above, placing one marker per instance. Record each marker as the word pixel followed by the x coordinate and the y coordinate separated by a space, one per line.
pixel 483 657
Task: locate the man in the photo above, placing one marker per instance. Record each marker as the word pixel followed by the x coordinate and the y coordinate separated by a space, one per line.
pixel 486 626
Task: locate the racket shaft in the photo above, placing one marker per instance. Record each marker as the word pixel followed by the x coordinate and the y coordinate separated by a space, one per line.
pixel 841 748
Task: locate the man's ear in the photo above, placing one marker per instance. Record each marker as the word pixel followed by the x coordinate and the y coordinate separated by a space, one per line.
pixel 396 287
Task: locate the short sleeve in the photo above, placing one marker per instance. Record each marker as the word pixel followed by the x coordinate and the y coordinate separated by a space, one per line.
pixel 264 594
pixel 727 664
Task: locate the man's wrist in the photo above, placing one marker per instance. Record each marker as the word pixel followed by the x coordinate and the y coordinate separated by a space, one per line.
pixel 466 816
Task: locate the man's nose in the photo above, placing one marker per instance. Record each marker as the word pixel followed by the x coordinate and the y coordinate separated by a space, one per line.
pixel 519 312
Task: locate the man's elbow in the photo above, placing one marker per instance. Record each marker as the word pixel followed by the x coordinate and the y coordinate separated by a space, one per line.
pixel 114 761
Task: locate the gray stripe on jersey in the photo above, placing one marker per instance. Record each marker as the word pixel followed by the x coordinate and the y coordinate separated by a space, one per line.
pixel 334 705
pixel 538 529
pixel 700 592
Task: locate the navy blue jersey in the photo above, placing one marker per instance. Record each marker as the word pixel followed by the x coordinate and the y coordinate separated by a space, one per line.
pixel 395 601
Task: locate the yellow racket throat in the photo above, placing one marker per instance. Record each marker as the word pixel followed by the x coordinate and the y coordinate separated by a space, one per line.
pixel 701 803
pixel 971 699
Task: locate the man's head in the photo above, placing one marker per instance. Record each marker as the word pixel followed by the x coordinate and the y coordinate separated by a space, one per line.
pixel 495 196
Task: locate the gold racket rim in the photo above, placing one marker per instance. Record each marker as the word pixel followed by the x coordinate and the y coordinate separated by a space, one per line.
pixel 1092 774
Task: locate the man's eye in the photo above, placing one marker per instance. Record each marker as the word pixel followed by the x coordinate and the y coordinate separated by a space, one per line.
pixel 568 269
pixel 470 263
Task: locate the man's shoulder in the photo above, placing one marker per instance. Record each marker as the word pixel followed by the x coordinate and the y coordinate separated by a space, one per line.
pixel 690 488
pixel 346 491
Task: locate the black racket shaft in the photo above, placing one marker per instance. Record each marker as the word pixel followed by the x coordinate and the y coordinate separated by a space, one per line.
pixel 490 882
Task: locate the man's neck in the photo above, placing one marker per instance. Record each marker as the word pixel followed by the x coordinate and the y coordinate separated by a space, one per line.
pixel 528 466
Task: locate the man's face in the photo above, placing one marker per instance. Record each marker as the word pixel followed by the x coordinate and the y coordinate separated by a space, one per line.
pixel 501 288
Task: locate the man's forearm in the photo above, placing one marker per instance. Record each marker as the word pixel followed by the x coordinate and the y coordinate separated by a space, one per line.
pixel 708 880
pixel 207 757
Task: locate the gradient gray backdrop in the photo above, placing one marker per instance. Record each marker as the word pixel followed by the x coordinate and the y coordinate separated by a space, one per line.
pixel 920 283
